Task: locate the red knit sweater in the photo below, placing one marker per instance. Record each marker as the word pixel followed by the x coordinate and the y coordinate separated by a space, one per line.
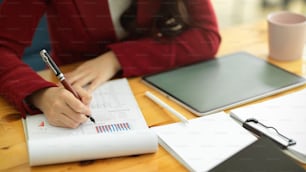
pixel 81 30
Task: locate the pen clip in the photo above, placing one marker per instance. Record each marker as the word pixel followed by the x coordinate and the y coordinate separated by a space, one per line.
pixel 48 60
pixel 44 56
pixel 247 125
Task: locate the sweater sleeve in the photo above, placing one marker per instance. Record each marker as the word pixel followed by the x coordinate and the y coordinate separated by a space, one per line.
pixel 147 55
pixel 18 21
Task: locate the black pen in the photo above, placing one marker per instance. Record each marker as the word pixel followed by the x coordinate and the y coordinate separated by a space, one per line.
pixel 60 76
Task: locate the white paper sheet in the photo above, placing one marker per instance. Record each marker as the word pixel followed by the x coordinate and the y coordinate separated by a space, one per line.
pixel 205 142
pixel 120 130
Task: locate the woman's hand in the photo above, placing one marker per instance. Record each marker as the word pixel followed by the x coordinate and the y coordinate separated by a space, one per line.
pixel 94 72
pixel 61 107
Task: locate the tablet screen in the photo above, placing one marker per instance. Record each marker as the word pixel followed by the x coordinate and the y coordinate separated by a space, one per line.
pixel 223 82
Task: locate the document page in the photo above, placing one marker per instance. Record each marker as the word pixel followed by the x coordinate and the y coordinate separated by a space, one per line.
pixel 204 142
pixel 120 129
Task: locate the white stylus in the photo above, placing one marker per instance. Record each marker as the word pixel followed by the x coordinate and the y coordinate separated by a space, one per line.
pixel 167 107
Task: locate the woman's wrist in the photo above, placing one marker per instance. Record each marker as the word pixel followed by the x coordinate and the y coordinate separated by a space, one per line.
pixel 35 98
pixel 113 60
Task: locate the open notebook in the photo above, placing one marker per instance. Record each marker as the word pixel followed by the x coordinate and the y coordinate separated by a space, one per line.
pixel 224 82
pixel 120 130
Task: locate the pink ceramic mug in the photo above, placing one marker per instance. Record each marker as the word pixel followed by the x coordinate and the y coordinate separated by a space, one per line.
pixel 287 35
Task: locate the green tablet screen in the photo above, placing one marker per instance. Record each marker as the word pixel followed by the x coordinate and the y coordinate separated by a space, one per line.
pixel 223 82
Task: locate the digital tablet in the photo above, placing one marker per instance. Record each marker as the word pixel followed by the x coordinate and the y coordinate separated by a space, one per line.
pixel 224 82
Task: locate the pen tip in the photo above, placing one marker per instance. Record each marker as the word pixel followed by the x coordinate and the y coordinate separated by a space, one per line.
pixel 92 119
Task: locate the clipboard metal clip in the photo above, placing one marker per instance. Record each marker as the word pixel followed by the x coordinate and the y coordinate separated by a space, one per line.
pixel 285 140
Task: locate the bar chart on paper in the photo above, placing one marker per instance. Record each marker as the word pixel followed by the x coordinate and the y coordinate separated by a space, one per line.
pixel 111 107
pixel 112 128
pixel 120 130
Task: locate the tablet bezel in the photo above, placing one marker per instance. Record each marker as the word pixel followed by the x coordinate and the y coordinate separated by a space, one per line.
pixel 301 81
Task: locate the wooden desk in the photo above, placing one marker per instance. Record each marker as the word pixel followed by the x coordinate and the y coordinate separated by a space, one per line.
pixel 13 150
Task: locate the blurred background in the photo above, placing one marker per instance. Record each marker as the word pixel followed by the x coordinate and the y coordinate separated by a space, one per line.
pixel 229 13
pixel 233 12
pixel 236 12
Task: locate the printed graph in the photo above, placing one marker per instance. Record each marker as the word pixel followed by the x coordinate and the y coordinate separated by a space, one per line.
pixel 112 128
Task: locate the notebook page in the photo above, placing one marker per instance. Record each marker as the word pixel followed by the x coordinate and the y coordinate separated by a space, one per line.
pixel 120 129
pixel 205 142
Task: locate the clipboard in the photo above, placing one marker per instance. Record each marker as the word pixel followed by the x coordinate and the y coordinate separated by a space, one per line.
pixel 282 119
pixel 262 155
pixel 268 132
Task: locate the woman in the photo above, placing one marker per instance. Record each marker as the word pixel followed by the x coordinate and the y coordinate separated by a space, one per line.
pixel 114 37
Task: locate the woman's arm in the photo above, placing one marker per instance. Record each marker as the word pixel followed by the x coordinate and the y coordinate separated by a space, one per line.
pixel 148 55
pixel 18 21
